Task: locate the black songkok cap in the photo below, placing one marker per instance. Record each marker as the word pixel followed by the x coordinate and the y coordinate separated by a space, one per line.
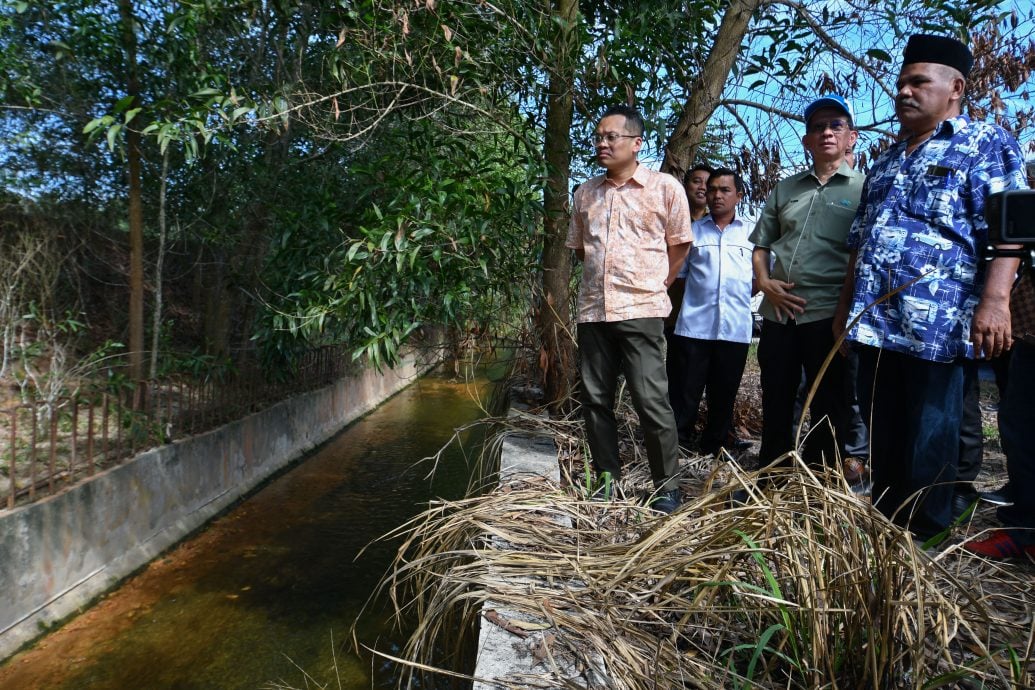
pixel 941 50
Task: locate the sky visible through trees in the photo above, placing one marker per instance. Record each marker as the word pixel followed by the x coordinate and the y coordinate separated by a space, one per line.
pixel 353 172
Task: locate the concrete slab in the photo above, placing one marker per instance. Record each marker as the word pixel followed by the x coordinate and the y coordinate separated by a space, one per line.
pixel 503 656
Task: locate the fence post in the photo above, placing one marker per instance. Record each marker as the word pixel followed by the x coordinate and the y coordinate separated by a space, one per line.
pixel 13 472
pixel 32 452
pixel 53 445
pixel 104 425
pixel 89 438
pixel 75 438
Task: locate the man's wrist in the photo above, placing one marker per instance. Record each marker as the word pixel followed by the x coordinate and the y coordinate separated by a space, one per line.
pixel 994 302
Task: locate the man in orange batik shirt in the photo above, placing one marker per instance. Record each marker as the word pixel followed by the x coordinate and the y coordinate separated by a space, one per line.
pixel 631 227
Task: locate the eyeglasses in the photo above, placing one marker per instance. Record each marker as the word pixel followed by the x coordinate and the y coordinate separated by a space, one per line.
pixel 836 126
pixel 610 137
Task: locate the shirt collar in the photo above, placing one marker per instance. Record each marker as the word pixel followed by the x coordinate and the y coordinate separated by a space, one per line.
pixel 711 221
pixel 953 125
pixel 640 176
pixel 948 127
pixel 843 171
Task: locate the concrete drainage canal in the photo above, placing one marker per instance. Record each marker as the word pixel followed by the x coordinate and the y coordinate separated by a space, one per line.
pixel 265 594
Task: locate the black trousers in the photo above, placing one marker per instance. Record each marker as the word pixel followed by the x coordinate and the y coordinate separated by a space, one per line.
pixel 914 435
pixel 784 350
pixel 1017 421
pixel 675 367
pixel 857 439
pixel 971 432
pixel 713 368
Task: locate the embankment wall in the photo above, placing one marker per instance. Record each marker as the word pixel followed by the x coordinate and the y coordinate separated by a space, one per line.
pixel 60 553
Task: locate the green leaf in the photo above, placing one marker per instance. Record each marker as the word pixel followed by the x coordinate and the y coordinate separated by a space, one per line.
pixel 95 123
pixel 123 103
pixel 878 54
pixel 113 133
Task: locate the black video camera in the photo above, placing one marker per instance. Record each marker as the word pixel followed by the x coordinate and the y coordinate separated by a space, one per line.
pixel 1011 220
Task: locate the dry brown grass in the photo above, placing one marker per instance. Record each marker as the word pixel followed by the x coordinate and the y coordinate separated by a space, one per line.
pixel 802 586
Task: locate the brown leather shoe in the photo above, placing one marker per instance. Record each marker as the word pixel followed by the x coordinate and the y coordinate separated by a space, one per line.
pixel 855 470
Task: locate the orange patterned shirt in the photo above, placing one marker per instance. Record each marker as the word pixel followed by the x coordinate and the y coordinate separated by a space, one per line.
pixel 625 232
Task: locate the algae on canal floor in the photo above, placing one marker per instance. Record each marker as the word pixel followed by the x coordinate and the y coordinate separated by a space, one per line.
pixel 261 592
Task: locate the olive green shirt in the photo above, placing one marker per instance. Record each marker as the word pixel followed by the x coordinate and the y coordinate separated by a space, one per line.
pixel 804 225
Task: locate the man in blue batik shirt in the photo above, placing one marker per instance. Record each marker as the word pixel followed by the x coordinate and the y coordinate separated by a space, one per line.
pixel 919 233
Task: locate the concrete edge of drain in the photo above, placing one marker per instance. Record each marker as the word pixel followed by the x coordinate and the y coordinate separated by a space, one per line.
pixel 501 654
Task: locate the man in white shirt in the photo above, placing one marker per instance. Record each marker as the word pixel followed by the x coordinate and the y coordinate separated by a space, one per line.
pixel 714 326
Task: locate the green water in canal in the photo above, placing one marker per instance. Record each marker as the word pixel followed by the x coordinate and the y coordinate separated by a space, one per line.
pixel 262 592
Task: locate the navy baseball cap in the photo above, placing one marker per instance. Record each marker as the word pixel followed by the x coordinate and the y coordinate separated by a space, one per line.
pixel 830 100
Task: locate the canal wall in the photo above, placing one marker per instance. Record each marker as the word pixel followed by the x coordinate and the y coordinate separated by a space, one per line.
pixel 60 553
pixel 504 660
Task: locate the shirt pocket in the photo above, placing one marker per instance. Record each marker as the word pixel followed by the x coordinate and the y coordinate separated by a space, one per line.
pixel 703 259
pixel 791 213
pixel 935 197
pixel 640 255
pixel 740 260
pixel 834 223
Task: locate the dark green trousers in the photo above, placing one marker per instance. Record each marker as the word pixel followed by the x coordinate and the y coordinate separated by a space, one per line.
pixel 634 348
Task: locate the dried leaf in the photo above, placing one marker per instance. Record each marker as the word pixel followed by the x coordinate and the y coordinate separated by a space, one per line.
pixel 502 622
pixel 447 32
pixel 528 625
pixel 541 650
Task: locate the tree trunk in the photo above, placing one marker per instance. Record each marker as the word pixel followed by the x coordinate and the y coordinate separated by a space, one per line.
pixel 707 90
pixel 553 317
pixel 156 320
pixel 217 305
pixel 136 211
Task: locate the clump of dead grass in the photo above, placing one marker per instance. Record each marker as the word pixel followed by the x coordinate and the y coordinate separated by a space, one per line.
pixel 802 585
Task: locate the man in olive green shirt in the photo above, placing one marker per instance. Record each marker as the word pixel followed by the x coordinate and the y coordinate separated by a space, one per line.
pixel 800 259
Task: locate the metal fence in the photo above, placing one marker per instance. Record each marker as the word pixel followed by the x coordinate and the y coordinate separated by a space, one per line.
pixel 47 446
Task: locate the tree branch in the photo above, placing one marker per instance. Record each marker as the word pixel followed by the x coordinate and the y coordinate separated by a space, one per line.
pixel 835 45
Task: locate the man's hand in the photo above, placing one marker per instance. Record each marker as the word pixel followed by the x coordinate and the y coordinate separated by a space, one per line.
pixel 778 294
pixel 990 328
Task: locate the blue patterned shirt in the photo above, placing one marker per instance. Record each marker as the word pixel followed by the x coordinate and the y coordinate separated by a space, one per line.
pixel 922 218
